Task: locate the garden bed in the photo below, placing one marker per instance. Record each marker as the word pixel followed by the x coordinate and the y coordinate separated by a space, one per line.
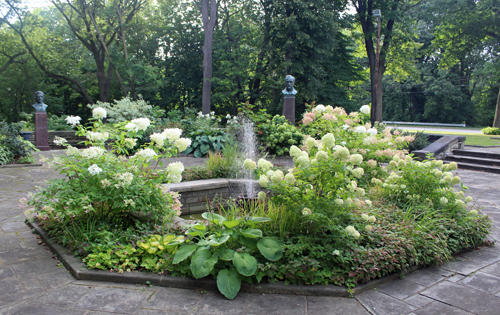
pixel 80 271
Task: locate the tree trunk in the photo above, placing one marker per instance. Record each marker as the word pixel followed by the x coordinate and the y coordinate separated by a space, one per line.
pixel 209 16
pixel 496 121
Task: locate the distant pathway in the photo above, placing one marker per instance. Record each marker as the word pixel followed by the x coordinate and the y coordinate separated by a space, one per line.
pixel 32 283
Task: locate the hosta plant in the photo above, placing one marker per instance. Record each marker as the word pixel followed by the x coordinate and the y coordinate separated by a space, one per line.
pixel 229 249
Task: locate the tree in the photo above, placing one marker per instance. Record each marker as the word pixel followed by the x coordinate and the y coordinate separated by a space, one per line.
pixel 208 10
pixel 467 25
pixel 392 11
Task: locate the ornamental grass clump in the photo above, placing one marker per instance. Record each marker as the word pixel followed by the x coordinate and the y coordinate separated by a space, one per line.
pixel 101 185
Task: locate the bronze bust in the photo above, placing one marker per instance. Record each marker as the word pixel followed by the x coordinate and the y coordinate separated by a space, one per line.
pixel 289 90
pixel 39 106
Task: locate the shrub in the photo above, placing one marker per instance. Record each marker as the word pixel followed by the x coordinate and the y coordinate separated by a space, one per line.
pixel 127 109
pixel 205 134
pixel 100 185
pixel 12 141
pixel 277 135
pixel 491 131
pixel 5 154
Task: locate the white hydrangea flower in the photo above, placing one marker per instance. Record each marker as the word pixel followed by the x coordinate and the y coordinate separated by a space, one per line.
pixel 99 113
pixel 351 231
pixel 290 178
pixel 92 152
pixel 306 211
pixel 336 252
pixel 328 140
pixel 94 169
pixel 264 165
pixel 97 136
pixel 141 123
pixel 468 199
pixel 320 108
pixel 175 168
pixel 145 153
pixel 295 151
pixel 321 156
pixel 339 201
pixel 443 200
pixel 73 120
pixel 182 144
pixel 131 126
pixel 72 151
pixel 60 141
pixel 341 153
pixel 473 212
pixel 356 159
pixel 172 134
pixel 263 181
pixel 365 109
pixel 358 172
pixel 249 165
pixel 277 176
pixel 105 183
pixel 303 160
pixel 130 143
pixel 372 132
pixel 124 179
pixel 261 195
pixel 360 129
pixel 158 139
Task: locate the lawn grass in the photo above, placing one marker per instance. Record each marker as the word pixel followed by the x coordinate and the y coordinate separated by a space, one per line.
pixel 471 139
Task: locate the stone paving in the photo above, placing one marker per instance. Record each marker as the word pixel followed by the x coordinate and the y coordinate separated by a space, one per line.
pixel 31 281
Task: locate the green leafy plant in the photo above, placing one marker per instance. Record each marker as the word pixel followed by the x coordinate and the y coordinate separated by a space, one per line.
pixel 204 141
pixel 491 131
pixel 12 141
pixel 228 249
pixel 100 185
pixel 277 135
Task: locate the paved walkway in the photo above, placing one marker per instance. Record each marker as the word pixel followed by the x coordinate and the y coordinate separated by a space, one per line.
pixel 31 282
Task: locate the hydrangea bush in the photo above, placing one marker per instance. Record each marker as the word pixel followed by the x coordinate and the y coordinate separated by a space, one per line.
pixel 127 109
pixel 101 185
pixel 351 186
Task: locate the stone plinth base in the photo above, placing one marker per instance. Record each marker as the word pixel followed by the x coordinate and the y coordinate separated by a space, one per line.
pixel 289 109
pixel 41 134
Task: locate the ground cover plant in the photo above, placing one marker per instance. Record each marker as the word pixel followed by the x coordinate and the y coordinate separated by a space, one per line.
pixel 356 206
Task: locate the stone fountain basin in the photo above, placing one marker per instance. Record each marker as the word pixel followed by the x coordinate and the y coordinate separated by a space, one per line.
pixel 196 196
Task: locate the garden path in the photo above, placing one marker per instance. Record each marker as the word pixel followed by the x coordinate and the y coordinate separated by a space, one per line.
pixel 32 283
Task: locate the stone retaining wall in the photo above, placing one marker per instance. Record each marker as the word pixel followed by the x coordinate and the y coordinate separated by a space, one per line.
pixel 66 134
pixel 196 196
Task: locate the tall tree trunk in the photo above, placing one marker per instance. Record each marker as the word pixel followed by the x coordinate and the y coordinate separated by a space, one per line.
pixel 496 121
pixel 364 9
pixel 209 16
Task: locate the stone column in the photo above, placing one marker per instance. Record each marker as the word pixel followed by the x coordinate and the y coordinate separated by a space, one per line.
pixel 41 134
pixel 289 108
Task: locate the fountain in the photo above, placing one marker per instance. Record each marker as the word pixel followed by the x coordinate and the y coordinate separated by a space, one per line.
pixel 248 142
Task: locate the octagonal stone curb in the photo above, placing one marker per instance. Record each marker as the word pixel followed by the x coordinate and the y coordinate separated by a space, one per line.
pixel 79 270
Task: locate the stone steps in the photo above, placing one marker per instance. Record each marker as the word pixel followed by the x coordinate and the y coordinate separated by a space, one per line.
pixel 475 160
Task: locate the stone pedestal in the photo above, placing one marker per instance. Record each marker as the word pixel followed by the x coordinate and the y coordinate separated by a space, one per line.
pixel 289 109
pixel 41 134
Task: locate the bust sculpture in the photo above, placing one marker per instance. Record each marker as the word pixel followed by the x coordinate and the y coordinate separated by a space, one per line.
pixel 39 105
pixel 289 90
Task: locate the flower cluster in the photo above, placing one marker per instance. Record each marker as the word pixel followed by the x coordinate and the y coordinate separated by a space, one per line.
pixel 175 172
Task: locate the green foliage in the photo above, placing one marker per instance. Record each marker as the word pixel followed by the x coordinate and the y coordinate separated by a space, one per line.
pixel 277 135
pixel 205 133
pixel 100 185
pixel 5 155
pixel 127 109
pixel 491 131
pixel 12 142
pixel 229 248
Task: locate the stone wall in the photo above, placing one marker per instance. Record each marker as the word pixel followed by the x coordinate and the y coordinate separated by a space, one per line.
pixel 196 196
pixel 68 135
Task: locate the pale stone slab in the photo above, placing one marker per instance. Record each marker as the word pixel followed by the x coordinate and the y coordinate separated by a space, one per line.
pixel 468 299
pixel 381 304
